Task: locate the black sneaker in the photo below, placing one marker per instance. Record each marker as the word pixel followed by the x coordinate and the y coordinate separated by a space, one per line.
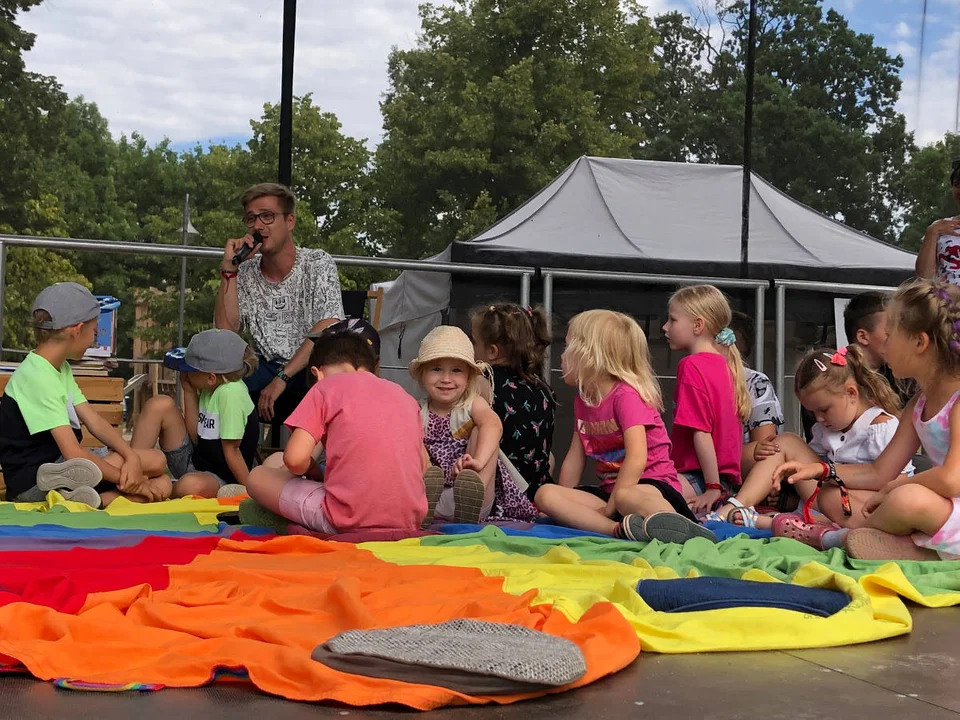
pixel 671 527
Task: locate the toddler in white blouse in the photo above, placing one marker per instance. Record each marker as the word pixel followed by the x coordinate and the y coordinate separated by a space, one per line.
pixel 856 417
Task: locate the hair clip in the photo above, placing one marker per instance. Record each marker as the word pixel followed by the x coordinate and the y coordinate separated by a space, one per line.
pixel 943 295
pixel 839 357
pixel 820 366
pixel 725 338
pixel 529 311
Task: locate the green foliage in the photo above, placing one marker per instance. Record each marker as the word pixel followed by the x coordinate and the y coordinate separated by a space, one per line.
pixel 925 189
pixel 495 100
pixel 825 126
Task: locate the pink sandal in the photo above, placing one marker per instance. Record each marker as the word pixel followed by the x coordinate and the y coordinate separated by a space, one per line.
pixel 788 525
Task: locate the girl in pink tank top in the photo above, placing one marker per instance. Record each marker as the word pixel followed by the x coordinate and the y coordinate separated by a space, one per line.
pixel 918 517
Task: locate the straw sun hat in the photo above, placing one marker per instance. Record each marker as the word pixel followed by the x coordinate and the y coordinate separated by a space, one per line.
pixel 445 341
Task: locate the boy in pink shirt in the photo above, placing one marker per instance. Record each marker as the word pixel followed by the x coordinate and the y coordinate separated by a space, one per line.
pixel 373 436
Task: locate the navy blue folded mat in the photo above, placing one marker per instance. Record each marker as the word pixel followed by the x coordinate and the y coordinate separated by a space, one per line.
pixel 714 593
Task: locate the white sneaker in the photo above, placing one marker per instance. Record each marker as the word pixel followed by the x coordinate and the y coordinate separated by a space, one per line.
pixel 68 475
pixel 83 494
pixel 231 490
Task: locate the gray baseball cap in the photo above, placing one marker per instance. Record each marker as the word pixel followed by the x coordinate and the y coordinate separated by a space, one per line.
pixel 210 351
pixel 68 304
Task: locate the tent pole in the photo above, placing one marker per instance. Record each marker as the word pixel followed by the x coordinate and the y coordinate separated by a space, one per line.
pixel 761 298
pixel 781 340
pixel 285 161
pixel 525 290
pixel 748 141
pixel 3 287
pixel 548 311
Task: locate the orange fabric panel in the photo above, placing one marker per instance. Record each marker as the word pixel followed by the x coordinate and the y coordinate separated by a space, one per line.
pixel 264 606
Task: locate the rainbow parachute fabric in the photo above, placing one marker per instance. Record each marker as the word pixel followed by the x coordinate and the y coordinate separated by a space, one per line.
pixel 140 597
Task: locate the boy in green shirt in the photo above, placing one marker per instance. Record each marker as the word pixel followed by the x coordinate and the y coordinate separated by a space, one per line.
pixel 42 411
pixel 212 442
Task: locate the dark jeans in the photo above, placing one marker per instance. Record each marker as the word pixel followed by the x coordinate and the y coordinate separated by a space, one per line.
pixel 291 397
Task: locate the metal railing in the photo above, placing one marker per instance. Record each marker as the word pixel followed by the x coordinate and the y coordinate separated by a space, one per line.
pixel 758 286
pixel 549 276
pixel 194 251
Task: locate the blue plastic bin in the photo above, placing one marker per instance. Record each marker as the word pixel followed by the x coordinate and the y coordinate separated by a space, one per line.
pixel 106 340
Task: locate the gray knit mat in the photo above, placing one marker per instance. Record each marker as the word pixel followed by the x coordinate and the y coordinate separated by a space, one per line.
pixel 512 652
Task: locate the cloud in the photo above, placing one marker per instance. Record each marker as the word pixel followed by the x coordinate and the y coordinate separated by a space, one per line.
pixel 934 112
pixel 196 70
pixel 903 30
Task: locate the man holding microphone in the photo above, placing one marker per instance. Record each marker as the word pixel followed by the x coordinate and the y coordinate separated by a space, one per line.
pixel 279 294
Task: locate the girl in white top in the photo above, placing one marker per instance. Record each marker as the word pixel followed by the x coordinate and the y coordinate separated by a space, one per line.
pixel 856 417
pixel 918 518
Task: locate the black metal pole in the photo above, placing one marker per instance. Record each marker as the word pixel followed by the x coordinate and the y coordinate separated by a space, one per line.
pixel 285 164
pixel 748 142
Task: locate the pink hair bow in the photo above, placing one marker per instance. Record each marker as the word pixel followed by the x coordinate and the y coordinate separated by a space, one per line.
pixel 839 357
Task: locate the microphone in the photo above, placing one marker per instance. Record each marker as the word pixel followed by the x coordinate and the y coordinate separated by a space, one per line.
pixel 247 249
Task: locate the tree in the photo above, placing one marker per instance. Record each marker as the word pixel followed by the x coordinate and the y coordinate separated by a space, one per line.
pixel 495 100
pixel 33 116
pixel 826 130
pixel 924 187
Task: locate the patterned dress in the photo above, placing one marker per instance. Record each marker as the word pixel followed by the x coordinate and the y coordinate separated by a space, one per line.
pixel 509 502
pixel 527 412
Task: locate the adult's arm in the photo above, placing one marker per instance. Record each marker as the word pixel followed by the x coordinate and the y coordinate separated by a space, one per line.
pixel 927 257
pixel 226 313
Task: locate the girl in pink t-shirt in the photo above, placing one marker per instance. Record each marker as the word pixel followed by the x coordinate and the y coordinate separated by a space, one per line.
pixel 618 425
pixel 711 397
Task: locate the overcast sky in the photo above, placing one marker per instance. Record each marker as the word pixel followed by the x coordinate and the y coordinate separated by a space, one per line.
pixel 199 71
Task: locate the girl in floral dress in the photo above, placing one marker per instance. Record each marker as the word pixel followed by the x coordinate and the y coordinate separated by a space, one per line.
pixel 470 482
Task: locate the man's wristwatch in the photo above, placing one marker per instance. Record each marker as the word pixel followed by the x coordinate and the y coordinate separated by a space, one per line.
pixel 283 376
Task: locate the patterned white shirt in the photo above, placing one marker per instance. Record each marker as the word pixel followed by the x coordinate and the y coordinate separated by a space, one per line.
pixel 280 314
pixel 766 408
pixel 948 258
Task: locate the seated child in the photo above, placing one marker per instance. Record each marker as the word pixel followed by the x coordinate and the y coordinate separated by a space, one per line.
pixel 514 340
pixel 711 401
pixel 618 425
pixel 370 429
pixel 42 411
pixel 855 412
pixel 212 443
pixel 918 517
pixel 469 482
pixel 766 416
pixel 865 323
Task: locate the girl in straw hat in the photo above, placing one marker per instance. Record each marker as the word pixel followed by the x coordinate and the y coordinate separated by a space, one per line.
pixel 471 482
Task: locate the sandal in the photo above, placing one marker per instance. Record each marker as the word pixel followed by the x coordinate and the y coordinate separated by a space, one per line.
pixel 713 516
pixel 873 544
pixel 748 514
pixel 788 525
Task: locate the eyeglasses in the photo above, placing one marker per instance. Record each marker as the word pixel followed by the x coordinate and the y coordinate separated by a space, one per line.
pixel 266 217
